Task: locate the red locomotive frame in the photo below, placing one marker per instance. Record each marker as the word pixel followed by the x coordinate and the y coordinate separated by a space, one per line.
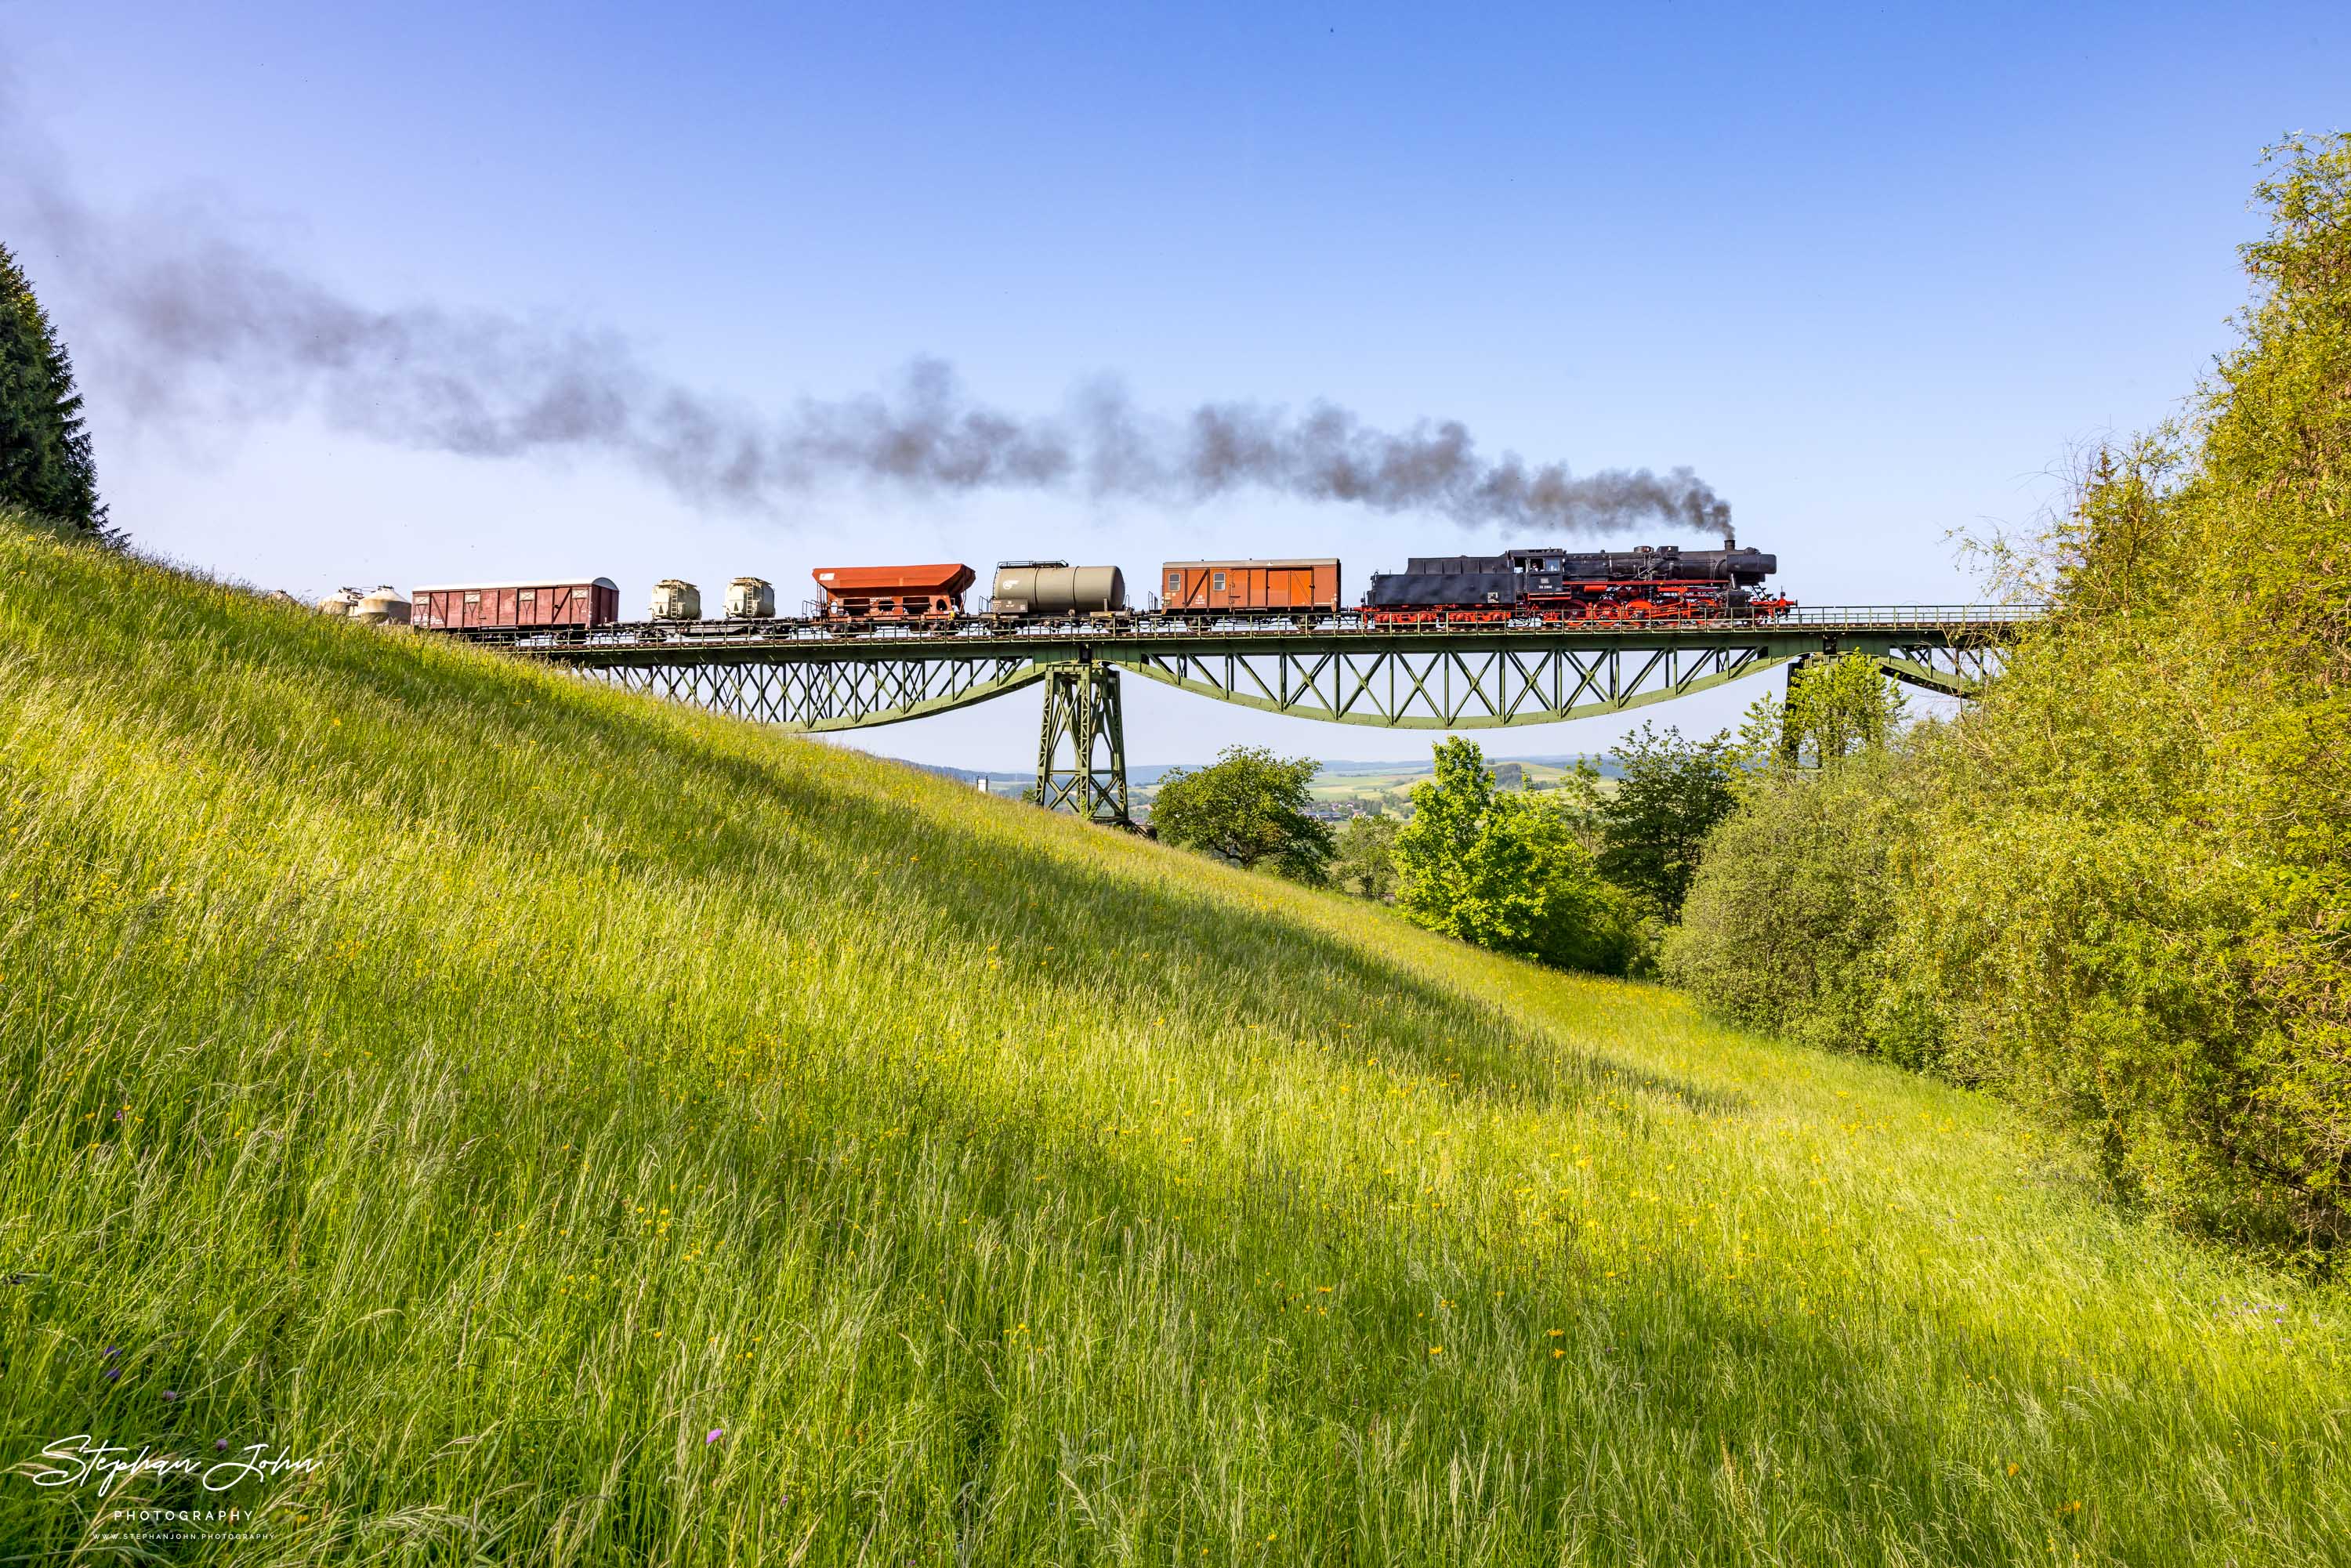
pixel 1642 603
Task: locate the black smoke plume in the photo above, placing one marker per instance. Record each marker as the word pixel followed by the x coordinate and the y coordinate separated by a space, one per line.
pixel 191 324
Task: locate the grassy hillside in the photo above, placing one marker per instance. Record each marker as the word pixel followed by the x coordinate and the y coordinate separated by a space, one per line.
pixel 492 1087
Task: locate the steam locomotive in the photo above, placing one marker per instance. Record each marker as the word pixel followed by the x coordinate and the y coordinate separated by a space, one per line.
pixel 1651 583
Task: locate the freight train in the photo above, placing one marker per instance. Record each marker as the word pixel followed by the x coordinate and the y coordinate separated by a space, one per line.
pixel 1651 583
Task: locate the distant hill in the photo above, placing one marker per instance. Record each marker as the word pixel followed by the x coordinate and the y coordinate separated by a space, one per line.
pixel 1339 781
pixel 960 775
pixel 1605 766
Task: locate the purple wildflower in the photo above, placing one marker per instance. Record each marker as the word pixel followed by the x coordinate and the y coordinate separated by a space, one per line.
pixel 716 1433
pixel 168 1395
pixel 112 1373
pixel 219 1443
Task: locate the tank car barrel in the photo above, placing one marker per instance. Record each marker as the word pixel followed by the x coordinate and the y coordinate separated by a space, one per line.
pixel 1055 588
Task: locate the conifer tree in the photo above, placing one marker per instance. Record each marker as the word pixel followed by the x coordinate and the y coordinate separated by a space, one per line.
pixel 45 465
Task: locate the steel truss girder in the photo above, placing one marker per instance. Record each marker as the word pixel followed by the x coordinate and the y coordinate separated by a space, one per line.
pixel 1954 670
pixel 816 694
pixel 1458 681
pixel 1448 687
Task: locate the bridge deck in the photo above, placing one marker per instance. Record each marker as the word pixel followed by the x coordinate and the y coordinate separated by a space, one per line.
pixel 813 676
pixel 719 642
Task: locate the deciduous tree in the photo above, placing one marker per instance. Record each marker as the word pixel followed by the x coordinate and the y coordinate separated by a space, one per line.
pixel 1248 807
pixel 1506 869
pixel 1669 795
pixel 1365 865
pixel 2118 888
pixel 1834 707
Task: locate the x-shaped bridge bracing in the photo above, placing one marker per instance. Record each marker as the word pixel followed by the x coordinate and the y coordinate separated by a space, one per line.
pixel 817 695
pixel 1464 688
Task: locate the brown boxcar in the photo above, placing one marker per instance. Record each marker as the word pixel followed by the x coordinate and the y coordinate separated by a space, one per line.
pixel 931 593
pixel 1219 587
pixel 592 602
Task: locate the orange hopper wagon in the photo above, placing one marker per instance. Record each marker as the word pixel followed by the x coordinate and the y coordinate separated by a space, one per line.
pixel 894 592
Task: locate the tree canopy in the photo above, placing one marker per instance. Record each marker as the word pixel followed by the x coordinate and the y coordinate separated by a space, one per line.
pixel 1834 707
pixel 1365 863
pixel 1248 807
pixel 1669 794
pixel 45 465
pixel 2118 888
pixel 1508 871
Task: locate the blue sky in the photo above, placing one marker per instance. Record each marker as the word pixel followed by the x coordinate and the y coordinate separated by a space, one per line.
pixel 1872 273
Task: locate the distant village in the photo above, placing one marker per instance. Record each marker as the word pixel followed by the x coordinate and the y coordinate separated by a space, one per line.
pixel 1343 790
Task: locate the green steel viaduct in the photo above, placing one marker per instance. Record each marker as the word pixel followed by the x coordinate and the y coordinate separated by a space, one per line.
pixel 808 676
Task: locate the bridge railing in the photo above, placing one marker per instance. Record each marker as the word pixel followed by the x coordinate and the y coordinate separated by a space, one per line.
pixel 1911 615
pixel 684 636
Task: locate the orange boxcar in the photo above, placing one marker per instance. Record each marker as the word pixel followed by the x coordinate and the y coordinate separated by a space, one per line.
pixel 595 602
pixel 1220 587
pixel 931 593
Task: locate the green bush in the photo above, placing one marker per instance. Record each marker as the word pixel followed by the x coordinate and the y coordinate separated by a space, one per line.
pixel 1787 922
pixel 2119 889
pixel 1508 871
pixel 2136 894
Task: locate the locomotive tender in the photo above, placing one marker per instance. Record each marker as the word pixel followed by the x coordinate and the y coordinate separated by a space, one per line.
pixel 1650 583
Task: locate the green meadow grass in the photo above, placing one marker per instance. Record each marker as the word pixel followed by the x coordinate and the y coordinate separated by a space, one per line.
pixel 491 1086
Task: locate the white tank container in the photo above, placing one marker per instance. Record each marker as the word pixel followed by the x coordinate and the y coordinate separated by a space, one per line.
pixel 676 601
pixel 342 601
pixel 383 607
pixel 750 599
